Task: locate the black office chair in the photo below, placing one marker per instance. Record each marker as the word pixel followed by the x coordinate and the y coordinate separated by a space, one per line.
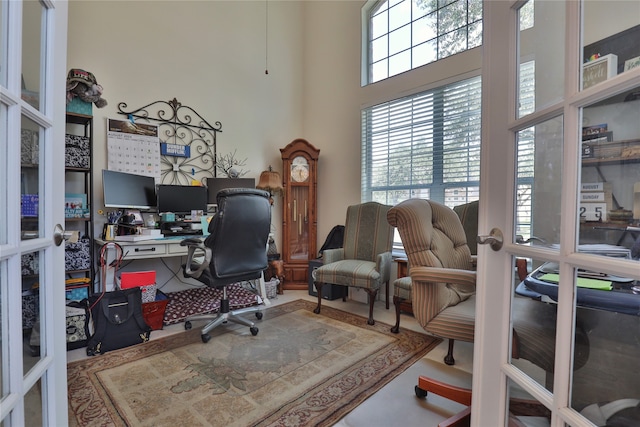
pixel 234 251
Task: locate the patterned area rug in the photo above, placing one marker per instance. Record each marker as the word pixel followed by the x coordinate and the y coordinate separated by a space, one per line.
pixel 302 369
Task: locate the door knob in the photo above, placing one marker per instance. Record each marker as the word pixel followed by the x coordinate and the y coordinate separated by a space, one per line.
pixel 59 235
pixel 494 239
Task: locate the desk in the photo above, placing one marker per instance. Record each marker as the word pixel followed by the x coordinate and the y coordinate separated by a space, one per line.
pixel 150 249
pixel 145 249
pixel 622 298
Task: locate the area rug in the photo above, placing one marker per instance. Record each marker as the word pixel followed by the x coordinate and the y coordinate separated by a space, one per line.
pixel 302 369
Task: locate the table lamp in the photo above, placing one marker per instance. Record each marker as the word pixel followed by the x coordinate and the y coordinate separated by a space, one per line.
pixel 270 181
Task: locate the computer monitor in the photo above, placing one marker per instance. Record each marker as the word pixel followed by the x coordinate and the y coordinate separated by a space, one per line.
pixel 216 184
pixel 127 190
pixel 181 199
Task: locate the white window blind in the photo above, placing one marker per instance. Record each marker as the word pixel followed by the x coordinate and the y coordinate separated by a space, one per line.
pixel 424 146
pixel 525 151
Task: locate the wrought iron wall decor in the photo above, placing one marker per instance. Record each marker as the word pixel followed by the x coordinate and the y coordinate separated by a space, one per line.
pixel 180 125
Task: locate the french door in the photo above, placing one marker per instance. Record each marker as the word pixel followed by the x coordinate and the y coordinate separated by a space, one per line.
pixel 559 123
pixel 32 118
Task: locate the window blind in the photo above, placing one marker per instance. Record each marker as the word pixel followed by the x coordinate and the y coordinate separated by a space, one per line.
pixel 425 145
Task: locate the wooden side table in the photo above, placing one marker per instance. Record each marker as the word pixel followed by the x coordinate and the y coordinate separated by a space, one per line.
pixel 403 267
pixel 403 271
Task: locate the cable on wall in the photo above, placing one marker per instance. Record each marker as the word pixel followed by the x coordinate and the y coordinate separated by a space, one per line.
pixel 266 37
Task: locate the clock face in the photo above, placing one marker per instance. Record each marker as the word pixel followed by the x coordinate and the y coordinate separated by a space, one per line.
pixel 300 169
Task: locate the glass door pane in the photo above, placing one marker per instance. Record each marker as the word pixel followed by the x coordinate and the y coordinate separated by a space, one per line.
pixel 611 30
pixel 32 52
pixel 541 68
pixel 30 178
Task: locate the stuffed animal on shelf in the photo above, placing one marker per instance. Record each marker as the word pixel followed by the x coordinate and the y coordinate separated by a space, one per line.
pixel 83 84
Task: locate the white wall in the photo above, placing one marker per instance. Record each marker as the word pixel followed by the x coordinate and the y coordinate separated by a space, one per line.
pixel 209 55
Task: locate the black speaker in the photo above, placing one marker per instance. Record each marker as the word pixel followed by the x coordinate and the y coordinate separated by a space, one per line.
pixel 329 292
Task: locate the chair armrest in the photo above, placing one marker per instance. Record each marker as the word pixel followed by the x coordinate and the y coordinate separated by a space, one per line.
pixel 443 275
pixel 383 265
pixel 332 255
pixel 194 245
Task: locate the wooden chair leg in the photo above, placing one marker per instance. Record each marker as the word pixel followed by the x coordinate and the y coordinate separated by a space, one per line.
pixel 319 287
pixel 387 295
pixel 461 419
pixel 460 395
pixel 448 359
pixel 396 328
pixel 372 293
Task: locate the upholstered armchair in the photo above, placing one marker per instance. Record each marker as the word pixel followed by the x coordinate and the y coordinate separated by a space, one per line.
pixel 443 295
pixel 364 261
pixel 468 214
pixel 441 269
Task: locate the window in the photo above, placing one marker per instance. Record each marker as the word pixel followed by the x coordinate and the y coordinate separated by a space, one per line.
pixel 424 146
pixel 406 34
pixel 525 151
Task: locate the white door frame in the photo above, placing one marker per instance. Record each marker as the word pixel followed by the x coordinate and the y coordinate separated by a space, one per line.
pixel 49 373
pixel 495 269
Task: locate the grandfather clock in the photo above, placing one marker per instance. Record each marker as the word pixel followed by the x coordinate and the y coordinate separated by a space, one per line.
pixel 299 221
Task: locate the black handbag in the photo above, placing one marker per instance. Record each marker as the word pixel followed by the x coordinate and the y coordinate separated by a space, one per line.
pixel 117 321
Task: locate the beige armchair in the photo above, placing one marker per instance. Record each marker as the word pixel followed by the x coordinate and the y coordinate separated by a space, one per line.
pixel 441 272
pixel 364 261
pixel 443 297
pixel 468 215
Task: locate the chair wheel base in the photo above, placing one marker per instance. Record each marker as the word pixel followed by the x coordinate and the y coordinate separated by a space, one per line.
pixel 187 325
pixel 205 338
pixel 420 393
pixel 259 315
pixel 254 331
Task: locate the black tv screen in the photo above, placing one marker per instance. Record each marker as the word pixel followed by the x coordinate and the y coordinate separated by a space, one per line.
pixel 216 184
pixel 127 190
pixel 181 199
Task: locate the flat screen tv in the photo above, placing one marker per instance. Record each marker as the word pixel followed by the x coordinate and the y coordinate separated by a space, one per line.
pixel 181 199
pixel 216 184
pixel 127 190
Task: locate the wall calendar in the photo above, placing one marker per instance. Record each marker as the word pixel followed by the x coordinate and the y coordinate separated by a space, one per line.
pixel 133 148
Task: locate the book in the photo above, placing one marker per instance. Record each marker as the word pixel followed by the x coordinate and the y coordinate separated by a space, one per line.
pixel 139 237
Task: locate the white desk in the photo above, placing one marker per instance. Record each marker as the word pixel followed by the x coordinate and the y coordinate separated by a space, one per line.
pixel 145 249
pixel 150 249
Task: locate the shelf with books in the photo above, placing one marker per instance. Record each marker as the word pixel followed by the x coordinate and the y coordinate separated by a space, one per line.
pixel 79 256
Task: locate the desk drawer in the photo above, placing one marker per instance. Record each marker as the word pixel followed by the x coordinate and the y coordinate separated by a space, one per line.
pixel 144 251
pixel 176 249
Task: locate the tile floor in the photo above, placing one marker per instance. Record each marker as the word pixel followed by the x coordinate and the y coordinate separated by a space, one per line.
pixel 396 403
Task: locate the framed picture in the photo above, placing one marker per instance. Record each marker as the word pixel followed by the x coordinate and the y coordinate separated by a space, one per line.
pixel 588 131
pixel 599 70
pixel 596 138
pixel 632 63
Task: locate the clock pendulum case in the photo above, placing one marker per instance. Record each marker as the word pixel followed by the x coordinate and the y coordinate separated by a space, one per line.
pixel 299 220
